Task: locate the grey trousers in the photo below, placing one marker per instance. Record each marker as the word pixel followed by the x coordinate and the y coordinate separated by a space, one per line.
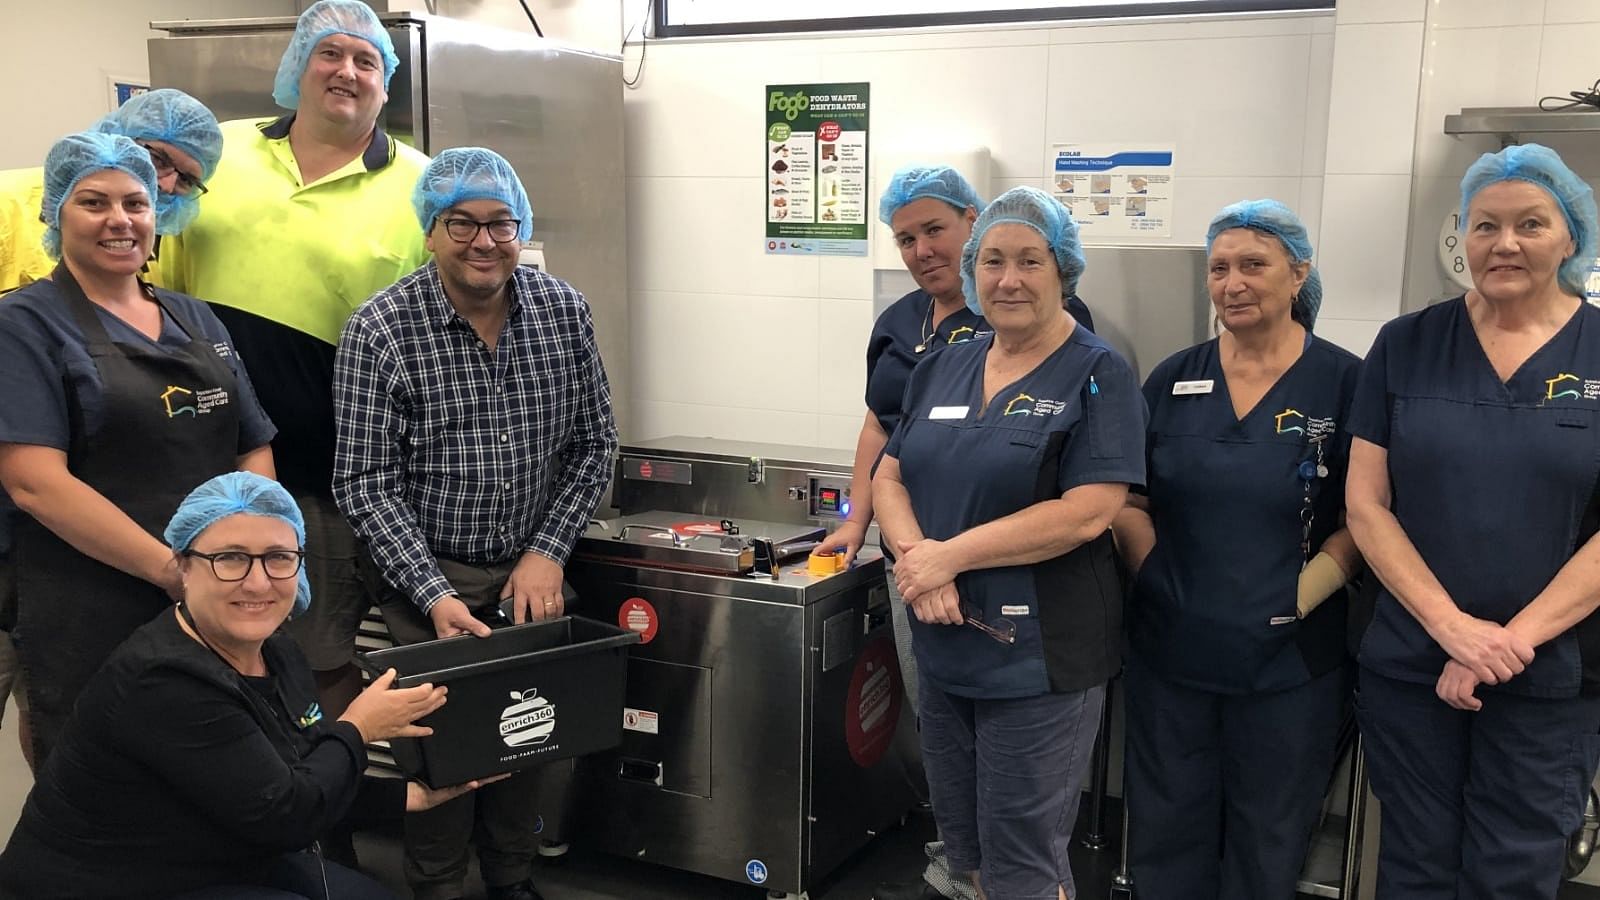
pixel 937 874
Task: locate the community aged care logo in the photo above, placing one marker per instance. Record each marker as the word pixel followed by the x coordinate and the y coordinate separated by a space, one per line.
pixel 180 401
pixel 1293 421
pixel 1567 386
pixel 529 719
pixel 1024 405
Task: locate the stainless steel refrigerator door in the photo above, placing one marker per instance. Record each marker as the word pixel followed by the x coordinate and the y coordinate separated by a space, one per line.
pixel 229 65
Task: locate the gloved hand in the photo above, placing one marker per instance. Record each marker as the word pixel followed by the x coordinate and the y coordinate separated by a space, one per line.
pixel 1318 580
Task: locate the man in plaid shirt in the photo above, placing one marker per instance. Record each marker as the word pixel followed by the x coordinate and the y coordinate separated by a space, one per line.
pixel 475 438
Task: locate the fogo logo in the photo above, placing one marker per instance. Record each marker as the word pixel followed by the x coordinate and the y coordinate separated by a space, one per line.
pixel 790 105
pixel 530 719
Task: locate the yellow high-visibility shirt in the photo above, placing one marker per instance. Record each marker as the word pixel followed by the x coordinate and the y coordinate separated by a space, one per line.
pixel 301 255
pixel 22 257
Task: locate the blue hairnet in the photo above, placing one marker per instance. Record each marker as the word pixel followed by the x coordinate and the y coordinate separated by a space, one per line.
pixel 175 118
pixel 470 173
pixel 323 18
pixel 916 182
pixel 1272 217
pixel 1043 213
pixel 78 155
pixel 1538 164
pixel 239 492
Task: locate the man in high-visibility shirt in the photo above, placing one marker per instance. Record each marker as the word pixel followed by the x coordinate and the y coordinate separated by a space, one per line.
pixel 184 144
pixel 308 215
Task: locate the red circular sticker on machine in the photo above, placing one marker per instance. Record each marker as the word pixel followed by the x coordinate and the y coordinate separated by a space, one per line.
pixel 690 529
pixel 638 615
pixel 828 131
pixel 872 705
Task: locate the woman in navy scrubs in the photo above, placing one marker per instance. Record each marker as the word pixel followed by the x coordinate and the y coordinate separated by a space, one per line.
pixel 1014 452
pixel 120 398
pixel 1235 677
pixel 930 209
pixel 1472 494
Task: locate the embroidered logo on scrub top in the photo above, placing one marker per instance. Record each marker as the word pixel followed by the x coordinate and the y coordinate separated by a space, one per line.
pixel 1024 405
pixel 963 334
pixel 311 716
pixel 1563 385
pixel 181 401
pixel 1567 386
pixel 1293 421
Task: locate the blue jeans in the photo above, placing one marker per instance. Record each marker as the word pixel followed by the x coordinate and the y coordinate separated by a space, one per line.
pixel 1004 776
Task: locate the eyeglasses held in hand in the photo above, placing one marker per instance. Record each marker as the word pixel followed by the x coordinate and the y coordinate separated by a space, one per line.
pixel 235 565
pixel 1004 631
pixel 465 231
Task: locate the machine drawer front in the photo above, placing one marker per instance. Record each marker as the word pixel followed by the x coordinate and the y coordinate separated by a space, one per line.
pixel 666 736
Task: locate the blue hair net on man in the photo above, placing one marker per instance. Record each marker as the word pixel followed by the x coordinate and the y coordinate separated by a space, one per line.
pixel 916 182
pixel 175 118
pixel 233 493
pixel 1043 213
pixel 76 156
pixel 1538 164
pixel 1272 217
pixel 470 173
pixel 323 18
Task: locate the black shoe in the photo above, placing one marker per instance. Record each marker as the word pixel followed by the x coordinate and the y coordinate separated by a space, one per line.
pixel 522 890
pixel 908 890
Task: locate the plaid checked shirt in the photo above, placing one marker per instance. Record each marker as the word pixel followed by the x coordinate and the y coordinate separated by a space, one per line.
pixel 448 448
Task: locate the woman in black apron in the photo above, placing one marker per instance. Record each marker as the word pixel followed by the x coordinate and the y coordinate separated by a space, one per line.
pixel 122 398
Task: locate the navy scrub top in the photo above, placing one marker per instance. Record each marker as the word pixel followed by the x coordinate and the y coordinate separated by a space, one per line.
pixel 1214 604
pixel 1493 482
pixel 1076 419
pixel 891 350
pixel 42 350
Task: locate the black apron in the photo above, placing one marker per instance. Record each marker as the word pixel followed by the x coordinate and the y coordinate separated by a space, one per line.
pixel 169 421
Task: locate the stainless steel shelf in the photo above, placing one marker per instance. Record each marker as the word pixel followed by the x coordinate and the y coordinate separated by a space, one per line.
pixel 1509 121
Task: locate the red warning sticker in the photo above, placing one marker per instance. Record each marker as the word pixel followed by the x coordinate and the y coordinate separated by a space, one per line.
pixel 636 614
pixel 872 705
pixel 690 529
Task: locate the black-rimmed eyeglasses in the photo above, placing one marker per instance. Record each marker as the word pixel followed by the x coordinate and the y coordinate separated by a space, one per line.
pixel 235 565
pixel 465 231
pixel 164 165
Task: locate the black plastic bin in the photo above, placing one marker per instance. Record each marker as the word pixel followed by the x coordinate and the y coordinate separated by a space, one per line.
pixel 524 696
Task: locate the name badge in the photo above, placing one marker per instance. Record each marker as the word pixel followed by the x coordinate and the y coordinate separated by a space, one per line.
pixel 1014 610
pixel 948 412
pixel 1182 388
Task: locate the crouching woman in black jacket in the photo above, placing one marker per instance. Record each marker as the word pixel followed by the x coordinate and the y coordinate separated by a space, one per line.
pixel 197 762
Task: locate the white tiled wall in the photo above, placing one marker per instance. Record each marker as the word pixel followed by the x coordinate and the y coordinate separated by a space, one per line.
pixel 732 343
pixel 1366 196
pixel 56 73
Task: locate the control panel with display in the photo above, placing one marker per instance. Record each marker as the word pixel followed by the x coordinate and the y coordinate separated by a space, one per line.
pixel 829 496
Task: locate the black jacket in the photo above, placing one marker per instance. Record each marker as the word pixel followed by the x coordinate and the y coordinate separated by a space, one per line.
pixel 176 772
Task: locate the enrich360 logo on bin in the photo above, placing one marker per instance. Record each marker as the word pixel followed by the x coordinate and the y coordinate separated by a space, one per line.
pixel 528 720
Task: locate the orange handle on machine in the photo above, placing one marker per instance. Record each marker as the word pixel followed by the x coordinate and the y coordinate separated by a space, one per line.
pixel 825 563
